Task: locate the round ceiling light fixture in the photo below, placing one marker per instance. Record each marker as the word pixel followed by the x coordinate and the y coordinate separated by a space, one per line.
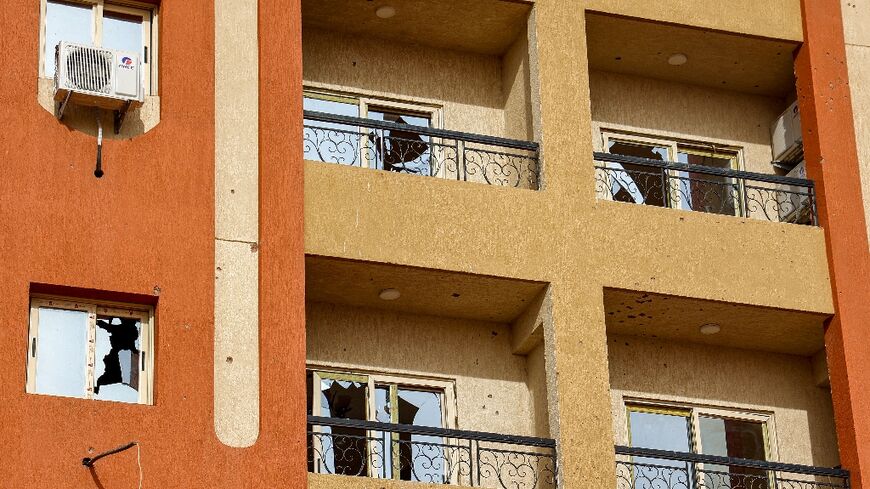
pixel 390 294
pixel 385 12
pixel 710 329
pixel 678 59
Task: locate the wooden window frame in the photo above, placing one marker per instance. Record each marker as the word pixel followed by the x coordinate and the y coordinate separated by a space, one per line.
pixel 695 411
pixel 366 100
pixel 145 315
pixel 444 387
pixel 675 146
pixel 149 14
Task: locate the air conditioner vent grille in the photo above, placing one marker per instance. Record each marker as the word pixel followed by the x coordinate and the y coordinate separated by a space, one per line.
pixel 88 69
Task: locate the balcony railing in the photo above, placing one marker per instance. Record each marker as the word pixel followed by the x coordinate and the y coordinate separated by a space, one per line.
pixel 639 468
pixel 430 455
pixel 705 189
pixel 420 150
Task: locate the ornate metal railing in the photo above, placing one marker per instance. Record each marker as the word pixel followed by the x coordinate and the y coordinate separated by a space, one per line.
pixel 419 150
pixel 705 189
pixel 639 468
pixel 429 455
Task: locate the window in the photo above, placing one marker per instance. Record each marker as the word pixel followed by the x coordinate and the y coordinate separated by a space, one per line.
pixel 90 350
pixel 398 150
pixel 650 185
pixel 703 431
pixel 385 399
pixel 121 26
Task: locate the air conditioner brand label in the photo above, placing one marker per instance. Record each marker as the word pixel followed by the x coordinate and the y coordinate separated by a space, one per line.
pixel 127 63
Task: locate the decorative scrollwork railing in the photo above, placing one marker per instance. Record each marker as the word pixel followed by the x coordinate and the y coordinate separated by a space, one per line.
pixel 420 150
pixel 705 189
pixel 640 468
pixel 429 455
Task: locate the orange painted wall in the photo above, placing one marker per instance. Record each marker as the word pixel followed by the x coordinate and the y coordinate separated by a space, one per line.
pixel 832 161
pixel 148 223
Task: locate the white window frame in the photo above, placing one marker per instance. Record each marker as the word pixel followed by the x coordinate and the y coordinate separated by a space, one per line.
pixel 695 411
pixel 446 389
pixel 145 315
pixel 366 101
pixel 149 14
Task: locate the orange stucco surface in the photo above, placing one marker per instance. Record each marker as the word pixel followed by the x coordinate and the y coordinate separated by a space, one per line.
pixel 832 162
pixel 147 229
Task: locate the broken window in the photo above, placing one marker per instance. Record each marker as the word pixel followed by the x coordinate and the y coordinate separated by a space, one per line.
pixel 654 185
pixel 89 351
pixel 638 184
pixel 384 399
pixel 397 149
pixel 401 150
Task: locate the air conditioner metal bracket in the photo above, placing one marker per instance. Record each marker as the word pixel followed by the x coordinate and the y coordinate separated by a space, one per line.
pixel 120 115
pixel 61 107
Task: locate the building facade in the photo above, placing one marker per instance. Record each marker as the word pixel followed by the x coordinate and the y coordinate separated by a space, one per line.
pixel 537 244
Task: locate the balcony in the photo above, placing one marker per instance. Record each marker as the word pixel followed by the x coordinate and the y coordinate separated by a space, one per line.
pixel 429 455
pixel 705 189
pixel 638 468
pixel 420 150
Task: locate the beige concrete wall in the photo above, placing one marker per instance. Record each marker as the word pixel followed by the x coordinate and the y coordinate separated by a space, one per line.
pixel 856 19
pixel 778 19
pixel 677 111
pixel 494 390
pixel 467 86
pixel 237 193
pixel 711 376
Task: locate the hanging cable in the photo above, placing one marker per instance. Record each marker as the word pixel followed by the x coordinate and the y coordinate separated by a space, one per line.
pixel 90 461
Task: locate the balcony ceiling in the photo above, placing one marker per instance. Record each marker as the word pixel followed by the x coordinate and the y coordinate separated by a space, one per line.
pixel 424 291
pixel 715 59
pixel 742 326
pixel 477 26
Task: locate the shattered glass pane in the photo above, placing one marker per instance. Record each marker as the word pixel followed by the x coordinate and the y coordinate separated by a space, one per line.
pixel 61 352
pixel 398 150
pixel 116 373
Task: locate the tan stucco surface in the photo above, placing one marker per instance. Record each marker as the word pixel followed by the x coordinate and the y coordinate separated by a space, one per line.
pixel 561 235
pixel 468 86
pixel 784 385
pixel 648 106
pixel 714 59
pixel 856 19
pixel 778 19
pixel 492 385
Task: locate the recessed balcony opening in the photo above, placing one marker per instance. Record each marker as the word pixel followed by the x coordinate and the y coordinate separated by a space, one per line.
pixel 421 87
pixel 723 406
pixel 697 120
pixel 444 384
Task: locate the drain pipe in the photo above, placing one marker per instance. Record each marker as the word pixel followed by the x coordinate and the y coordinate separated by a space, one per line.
pixel 98 172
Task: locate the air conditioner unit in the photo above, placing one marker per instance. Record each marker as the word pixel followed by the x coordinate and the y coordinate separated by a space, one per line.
pixel 97 77
pixel 785 135
pixel 796 205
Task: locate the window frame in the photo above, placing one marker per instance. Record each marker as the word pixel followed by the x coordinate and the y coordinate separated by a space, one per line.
pixel 145 314
pixel 149 14
pixel 368 100
pixel 695 411
pixel 444 387
pixel 676 145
